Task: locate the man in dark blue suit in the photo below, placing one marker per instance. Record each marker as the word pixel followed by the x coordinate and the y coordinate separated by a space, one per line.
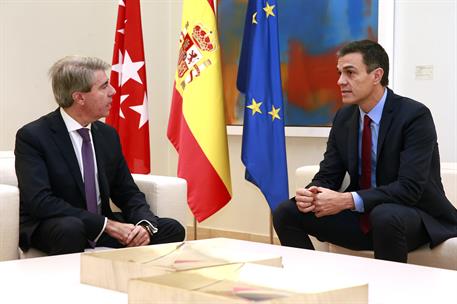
pixel 387 143
pixel 64 189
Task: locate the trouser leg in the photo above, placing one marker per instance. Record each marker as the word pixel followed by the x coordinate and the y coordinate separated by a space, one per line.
pixel 288 224
pixel 170 230
pixel 60 235
pixel 397 230
pixel 342 229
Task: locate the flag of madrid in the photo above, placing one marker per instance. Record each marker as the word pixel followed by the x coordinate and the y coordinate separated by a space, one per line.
pixel 129 109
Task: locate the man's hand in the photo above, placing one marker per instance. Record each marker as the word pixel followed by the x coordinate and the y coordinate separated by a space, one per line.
pixel 126 234
pixel 139 236
pixel 305 199
pixel 329 202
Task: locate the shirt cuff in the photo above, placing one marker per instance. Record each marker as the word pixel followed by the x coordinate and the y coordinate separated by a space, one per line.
pixel 358 202
pixel 153 228
pixel 103 230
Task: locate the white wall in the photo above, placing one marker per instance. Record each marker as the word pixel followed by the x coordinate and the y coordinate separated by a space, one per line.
pixel 34 34
pixel 426 35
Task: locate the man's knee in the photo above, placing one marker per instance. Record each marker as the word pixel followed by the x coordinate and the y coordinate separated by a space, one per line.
pixel 170 230
pixel 282 213
pixel 180 231
pixel 386 217
pixel 70 235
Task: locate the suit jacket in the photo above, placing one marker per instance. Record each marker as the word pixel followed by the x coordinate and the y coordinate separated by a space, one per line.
pixel 51 184
pixel 407 167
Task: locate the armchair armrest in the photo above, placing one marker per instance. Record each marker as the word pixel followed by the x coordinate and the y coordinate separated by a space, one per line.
pixel 166 195
pixel 9 222
pixel 449 179
pixel 7 170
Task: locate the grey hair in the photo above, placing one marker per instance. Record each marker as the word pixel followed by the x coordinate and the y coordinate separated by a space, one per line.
pixel 74 74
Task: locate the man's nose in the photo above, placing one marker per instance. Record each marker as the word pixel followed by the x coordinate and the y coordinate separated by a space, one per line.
pixel 341 80
pixel 112 91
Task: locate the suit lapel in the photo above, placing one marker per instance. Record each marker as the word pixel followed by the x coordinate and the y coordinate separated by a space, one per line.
pixel 63 142
pixel 386 120
pixel 352 127
pixel 98 147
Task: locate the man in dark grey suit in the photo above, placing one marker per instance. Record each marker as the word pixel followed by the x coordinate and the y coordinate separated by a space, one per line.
pixel 387 143
pixel 64 189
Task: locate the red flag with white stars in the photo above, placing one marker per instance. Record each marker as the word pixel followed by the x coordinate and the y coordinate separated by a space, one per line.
pixel 129 109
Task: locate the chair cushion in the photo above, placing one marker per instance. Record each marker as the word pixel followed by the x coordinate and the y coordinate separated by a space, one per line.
pixel 443 256
pixel 31 253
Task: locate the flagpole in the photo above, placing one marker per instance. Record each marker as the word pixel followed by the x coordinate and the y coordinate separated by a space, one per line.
pixel 195 228
pixel 271 228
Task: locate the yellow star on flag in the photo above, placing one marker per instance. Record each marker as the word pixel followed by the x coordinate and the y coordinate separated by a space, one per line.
pixel 274 113
pixel 254 21
pixel 269 10
pixel 255 107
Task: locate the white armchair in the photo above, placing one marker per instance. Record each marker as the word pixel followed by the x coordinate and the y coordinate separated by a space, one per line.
pixel 9 222
pixel 166 195
pixel 442 256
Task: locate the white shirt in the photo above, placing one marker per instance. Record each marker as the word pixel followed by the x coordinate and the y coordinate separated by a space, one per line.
pixel 77 141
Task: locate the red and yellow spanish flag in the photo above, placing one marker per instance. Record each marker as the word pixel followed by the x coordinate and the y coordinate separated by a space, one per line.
pixel 196 126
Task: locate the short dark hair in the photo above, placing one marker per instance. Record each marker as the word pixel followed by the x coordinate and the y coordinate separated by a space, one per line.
pixel 373 54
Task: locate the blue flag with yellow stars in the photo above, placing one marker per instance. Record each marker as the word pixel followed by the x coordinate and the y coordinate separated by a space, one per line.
pixel 259 78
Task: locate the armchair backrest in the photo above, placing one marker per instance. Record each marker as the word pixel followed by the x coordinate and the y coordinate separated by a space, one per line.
pixel 304 175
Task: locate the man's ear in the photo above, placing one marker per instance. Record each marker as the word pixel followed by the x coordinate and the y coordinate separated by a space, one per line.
pixel 377 74
pixel 78 97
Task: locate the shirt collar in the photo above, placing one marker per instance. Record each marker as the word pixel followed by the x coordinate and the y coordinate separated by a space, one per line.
pixel 70 123
pixel 375 113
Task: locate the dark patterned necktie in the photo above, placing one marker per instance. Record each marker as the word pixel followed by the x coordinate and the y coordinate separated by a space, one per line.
pixel 365 179
pixel 89 171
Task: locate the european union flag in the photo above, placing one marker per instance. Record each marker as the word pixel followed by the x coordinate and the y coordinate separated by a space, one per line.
pixel 259 78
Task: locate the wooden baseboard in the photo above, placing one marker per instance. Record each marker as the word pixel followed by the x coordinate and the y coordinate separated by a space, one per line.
pixel 206 233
